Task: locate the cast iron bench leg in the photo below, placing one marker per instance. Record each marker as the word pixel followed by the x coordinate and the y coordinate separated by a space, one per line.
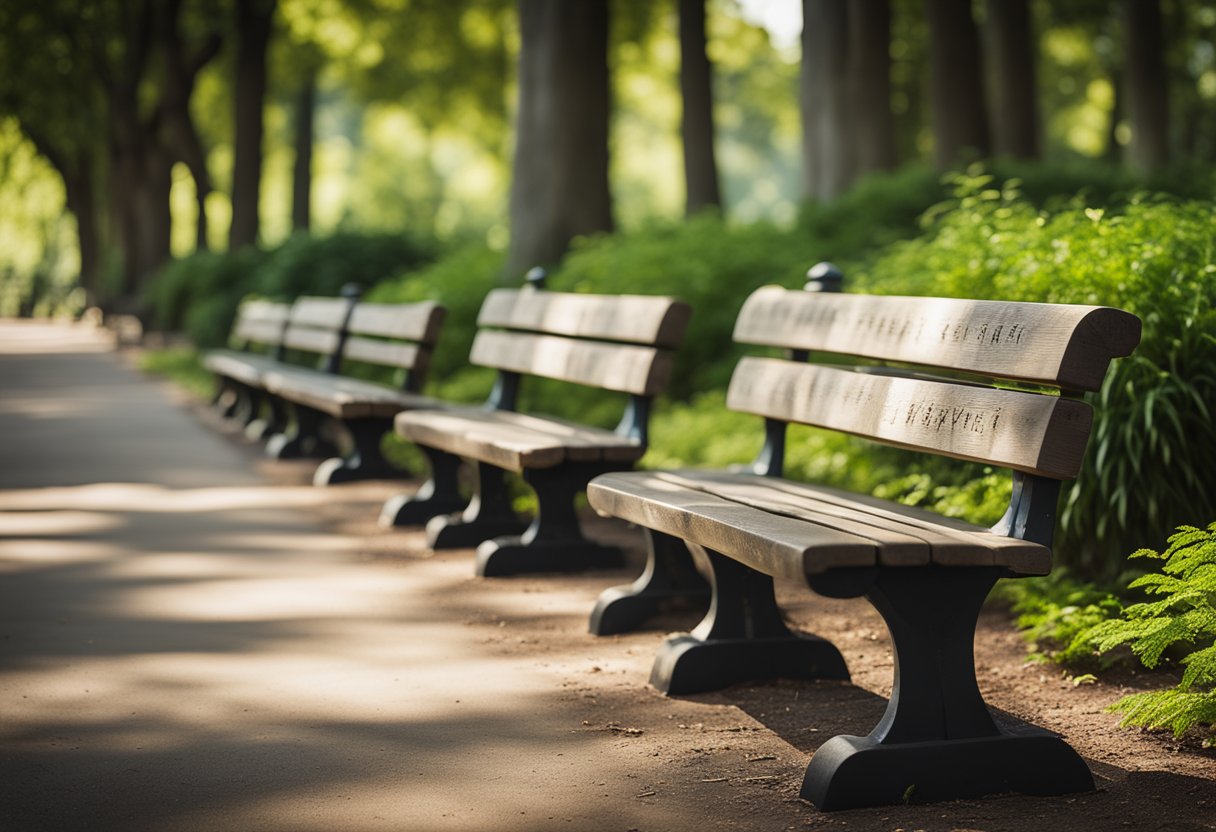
pixel 670 582
pixel 742 638
pixel 364 462
pixel 937 739
pixel 554 541
pixel 439 495
pixel 487 515
pixel 302 439
pixel 268 418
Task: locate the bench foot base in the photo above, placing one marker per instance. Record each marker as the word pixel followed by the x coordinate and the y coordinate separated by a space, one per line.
pixel 287 446
pixel 259 430
pixel 510 555
pixel 853 772
pixel 686 664
pixel 669 583
pixel 417 509
pixel 453 531
pixel 343 469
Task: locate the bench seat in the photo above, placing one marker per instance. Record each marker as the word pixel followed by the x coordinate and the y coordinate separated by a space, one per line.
pixel 516 441
pixel 794 530
pixel 243 367
pixel 340 396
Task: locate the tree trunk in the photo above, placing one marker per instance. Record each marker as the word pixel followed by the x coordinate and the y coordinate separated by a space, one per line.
pixel 559 185
pixel 1146 92
pixel 301 171
pixel 82 202
pixel 253 36
pixel 956 89
pixel 827 164
pixel 697 119
pixel 873 126
pixel 1013 91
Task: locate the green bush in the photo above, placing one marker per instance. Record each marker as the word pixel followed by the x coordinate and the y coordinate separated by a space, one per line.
pixel 1183 614
pixel 1153 437
pixel 199 294
pixel 310 265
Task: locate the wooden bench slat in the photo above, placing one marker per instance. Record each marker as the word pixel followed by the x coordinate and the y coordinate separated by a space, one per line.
pixel 385 353
pixel 624 368
pixel 247 368
pixel 514 441
pixel 310 340
pixel 774 544
pixel 1027 432
pixel 952 542
pixel 326 313
pixel 1069 346
pixel 258 331
pixel 419 322
pixel 342 396
pixel 638 319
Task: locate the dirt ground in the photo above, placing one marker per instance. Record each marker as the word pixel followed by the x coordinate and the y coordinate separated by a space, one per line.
pixel 753 741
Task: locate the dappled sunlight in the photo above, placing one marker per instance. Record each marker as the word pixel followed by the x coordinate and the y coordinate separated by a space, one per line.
pixel 148 498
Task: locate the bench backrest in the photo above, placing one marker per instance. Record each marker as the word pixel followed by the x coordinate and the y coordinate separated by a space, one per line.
pixel 317 326
pixel 615 342
pixel 260 324
pixel 399 335
pixel 954 389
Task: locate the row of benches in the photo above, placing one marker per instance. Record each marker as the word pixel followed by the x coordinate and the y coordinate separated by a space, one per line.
pixel 994 382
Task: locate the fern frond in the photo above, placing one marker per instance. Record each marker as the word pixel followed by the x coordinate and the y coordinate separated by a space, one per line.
pixel 1200 669
pixel 1179 711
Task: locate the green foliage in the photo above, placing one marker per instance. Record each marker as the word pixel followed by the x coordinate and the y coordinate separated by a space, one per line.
pixel 305 264
pixel 1056 612
pixel 1181 611
pixel 200 293
pixel 180 365
pixel 1153 436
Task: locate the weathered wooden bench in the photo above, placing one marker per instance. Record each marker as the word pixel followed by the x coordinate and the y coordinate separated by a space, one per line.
pixel 615 343
pixel 999 383
pixel 257 345
pixel 398 336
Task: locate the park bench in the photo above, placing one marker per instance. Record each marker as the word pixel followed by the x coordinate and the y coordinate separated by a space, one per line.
pixel 386 335
pixel 619 344
pixel 993 382
pixel 257 345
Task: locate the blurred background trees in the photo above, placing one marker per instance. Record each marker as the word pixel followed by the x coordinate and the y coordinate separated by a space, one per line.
pixel 134 132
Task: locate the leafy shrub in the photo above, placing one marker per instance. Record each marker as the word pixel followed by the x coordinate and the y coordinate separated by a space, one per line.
pixel 308 265
pixel 1153 438
pixel 200 293
pixel 1055 614
pixel 1183 614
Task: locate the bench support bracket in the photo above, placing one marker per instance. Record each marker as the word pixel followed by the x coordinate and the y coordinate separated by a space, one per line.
pixel 302 439
pixel 487 515
pixel 742 638
pixel 554 541
pixel 439 495
pixel 364 461
pixel 271 419
pixel 669 583
pixel 937 739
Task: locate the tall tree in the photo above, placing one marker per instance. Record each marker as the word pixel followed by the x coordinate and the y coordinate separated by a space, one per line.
pixel 697 117
pixel 827 162
pixel 253 26
pixel 559 186
pixel 301 171
pixel 872 123
pixel 1013 93
pixel 1145 88
pixel 956 87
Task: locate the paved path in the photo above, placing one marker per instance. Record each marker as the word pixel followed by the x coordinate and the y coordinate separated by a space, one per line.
pixel 183 647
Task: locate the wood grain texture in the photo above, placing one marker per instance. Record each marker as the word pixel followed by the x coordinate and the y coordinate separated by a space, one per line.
pixel 341 396
pixel 951 542
pixel 625 368
pixel 775 544
pixel 419 322
pixel 636 319
pixel 1068 346
pixel 1025 431
pixel 514 441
